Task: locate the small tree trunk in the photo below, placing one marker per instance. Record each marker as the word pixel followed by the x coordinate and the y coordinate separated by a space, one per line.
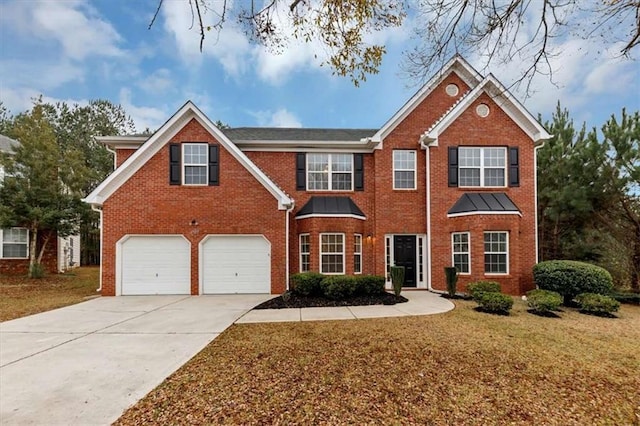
pixel 635 268
pixel 33 237
pixel 44 246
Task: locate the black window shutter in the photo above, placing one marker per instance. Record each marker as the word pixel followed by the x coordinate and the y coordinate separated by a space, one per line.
pixel 301 172
pixel 214 165
pixel 453 166
pixel 358 172
pixel 514 167
pixel 174 164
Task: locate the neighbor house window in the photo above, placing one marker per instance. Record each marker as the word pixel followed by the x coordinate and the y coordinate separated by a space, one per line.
pixel 460 250
pixel 305 252
pixel 357 254
pixel 329 172
pixel 332 253
pixel 482 166
pixel 15 243
pixel 496 253
pixel 404 169
pixel 195 163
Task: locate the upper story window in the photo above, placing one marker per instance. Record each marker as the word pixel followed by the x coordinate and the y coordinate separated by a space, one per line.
pixel 482 167
pixel 195 162
pixel 404 169
pixel 329 172
pixel 14 243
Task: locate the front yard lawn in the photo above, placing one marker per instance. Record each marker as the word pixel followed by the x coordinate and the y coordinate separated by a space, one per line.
pixel 21 296
pixel 462 367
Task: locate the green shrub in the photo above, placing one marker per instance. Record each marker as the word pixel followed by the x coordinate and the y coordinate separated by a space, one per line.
pixel 338 287
pixel 570 278
pixel 369 284
pixel 306 283
pixel 627 297
pixel 475 289
pixel 451 274
pixel 543 301
pixel 397 278
pixel 597 303
pixel 36 271
pixel 494 302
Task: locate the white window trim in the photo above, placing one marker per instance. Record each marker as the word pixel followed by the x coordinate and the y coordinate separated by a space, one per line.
pixel 302 253
pixel 505 253
pixel 2 244
pixel 482 167
pixel 329 172
pixel 414 170
pixel 357 252
pixel 468 253
pixel 185 164
pixel 344 266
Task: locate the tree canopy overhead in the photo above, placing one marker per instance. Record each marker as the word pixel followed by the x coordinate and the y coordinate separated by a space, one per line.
pixel 499 31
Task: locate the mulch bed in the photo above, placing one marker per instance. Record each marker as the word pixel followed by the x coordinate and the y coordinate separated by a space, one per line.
pixel 297 301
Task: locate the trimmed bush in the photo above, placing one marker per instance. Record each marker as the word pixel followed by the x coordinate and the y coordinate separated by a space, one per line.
pixel 369 284
pixel 397 278
pixel 338 287
pixel 306 283
pixel 475 289
pixel 627 297
pixel 451 274
pixel 543 301
pixel 37 270
pixel 570 278
pixel 597 303
pixel 494 302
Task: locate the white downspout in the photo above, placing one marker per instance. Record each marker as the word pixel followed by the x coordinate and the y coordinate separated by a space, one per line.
pixel 115 165
pixel 535 193
pixel 286 244
pixel 428 219
pixel 99 210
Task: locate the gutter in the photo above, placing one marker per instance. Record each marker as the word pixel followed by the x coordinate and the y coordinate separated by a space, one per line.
pixel 426 147
pixel 289 209
pixel 97 208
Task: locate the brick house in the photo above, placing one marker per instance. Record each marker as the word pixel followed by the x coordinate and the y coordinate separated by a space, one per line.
pixel 450 179
pixel 60 253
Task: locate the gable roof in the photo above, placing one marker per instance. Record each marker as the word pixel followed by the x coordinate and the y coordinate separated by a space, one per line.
pixel 7 144
pixel 161 137
pixel 503 99
pixel 456 64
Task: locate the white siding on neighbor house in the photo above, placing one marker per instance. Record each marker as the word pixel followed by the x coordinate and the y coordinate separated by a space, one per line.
pixel 68 252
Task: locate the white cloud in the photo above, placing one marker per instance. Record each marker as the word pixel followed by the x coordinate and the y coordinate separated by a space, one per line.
pixel 279 118
pixel 17 73
pixel 73 24
pixel 21 99
pixel 159 81
pixel 143 117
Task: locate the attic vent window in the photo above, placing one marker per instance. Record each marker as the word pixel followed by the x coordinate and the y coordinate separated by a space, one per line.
pixel 482 110
pixel 452 90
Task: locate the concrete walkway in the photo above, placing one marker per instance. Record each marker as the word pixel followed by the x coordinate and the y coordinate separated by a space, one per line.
pixel 85 364
pixel 420 303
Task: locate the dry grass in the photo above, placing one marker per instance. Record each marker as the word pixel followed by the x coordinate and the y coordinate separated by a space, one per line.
pixel 21 296
pixel 463 367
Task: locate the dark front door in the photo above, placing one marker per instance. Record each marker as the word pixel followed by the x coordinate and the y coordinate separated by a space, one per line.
pixel 404 254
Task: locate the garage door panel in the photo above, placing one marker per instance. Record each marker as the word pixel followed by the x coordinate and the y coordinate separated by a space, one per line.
pixel 236 264
pixel 156 265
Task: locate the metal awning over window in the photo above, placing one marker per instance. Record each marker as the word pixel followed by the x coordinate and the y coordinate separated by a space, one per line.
pixel 318 206
pixel 483 203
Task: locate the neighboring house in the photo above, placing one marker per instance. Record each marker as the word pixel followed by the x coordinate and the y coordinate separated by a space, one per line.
pixel 60 254
pixel 450 179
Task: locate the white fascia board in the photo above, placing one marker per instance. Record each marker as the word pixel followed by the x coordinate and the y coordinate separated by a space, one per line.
pixel 483 213
pixel 350 216
pixel 160 139
pixel 122 142
pixel 504 100
pixel 456 64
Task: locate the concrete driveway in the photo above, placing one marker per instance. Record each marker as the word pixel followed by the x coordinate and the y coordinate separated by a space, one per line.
pixel 87 363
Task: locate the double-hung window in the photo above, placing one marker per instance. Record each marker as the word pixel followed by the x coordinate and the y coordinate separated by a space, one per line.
pixel 305 252
pixel 14 243
pixel 404 169
pixel 496 252
pixel 357 253
pixel 329 172
pixel 195 162
pixel 332 254
pixel 461 251
pixel 483 167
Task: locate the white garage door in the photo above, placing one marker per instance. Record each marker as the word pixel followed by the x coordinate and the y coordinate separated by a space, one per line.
pixel 156 265
pixel 236 264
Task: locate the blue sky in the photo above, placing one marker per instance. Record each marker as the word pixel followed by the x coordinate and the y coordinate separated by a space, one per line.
pixel 77 50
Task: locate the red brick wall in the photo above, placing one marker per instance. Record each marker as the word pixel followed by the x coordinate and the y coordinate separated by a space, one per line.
pixel 495 130
pixel 122 155
pixel 147 204
pixel 21 266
